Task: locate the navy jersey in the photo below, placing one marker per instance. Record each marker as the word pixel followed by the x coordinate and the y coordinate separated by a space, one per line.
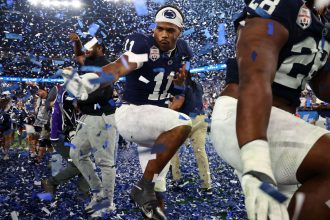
pixel 152 83
pixel 97 102
pixel 5 121
pixel 96 61
pixel 193 103
pixel 306 50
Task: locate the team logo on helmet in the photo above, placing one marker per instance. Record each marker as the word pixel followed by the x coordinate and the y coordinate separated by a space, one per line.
pixel 170 14
pixel 304 19
pixel 154 53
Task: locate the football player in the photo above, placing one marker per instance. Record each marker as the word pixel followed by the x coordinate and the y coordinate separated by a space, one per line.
pixel 154 66
pixel 281 46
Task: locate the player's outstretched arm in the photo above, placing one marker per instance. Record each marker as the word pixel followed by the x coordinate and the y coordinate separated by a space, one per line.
pixel 120 67
pixel 257 57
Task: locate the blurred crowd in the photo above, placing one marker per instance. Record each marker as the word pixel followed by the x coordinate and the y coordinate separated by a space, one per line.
pixel 44 46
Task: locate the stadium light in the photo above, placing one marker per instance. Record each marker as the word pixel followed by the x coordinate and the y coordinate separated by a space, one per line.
pixel 76 3
pixel 57 3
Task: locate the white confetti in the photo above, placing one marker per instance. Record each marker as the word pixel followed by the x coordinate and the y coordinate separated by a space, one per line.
pixel 14 215
pixel 142 79
pixel 37 183
pixel 90 43
pixel 45 210
pixel 328 203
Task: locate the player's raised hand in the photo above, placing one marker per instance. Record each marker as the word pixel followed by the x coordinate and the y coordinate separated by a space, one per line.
pixel 74 37
pixel 180 76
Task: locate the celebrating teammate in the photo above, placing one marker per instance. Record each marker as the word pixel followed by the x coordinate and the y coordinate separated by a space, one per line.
pixel 281 46
pixel 155 67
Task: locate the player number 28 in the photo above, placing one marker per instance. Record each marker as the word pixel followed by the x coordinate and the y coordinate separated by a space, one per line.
pixel 268 5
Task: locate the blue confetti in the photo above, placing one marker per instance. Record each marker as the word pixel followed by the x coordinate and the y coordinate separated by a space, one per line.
pixel 262 13
pixel 158 70
pixel 221 34
pixel 188 66
pixel 14 36
pixel 24 154
pixel 10 88
pixel 108 126
pixel 207 120
pixel 158 148
pixel 112 103
pixel 36 175
pixel 34 61
pixel 181 117
pixel 207 33
pixel 102 204
pixel 105 145
pixel 101 22
pixel 36 70
pixel 273 192
pixel 94 69
pixel 118 104
pixel 202 75
pixel 45 196
pixel 93 29
pixel 270 31
pixel 159 1
pixel 152 26
pixel 103 34
pixel 58 62
pixel 192 115
pixel 254 56
pixel 141 7
pixel 97 106
pixel 188 32
pixel 57 74
pixel 204 50
pixel 10 3
pixel 68 144
pixel 81 25
pixel 229 215
pixel 104 78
